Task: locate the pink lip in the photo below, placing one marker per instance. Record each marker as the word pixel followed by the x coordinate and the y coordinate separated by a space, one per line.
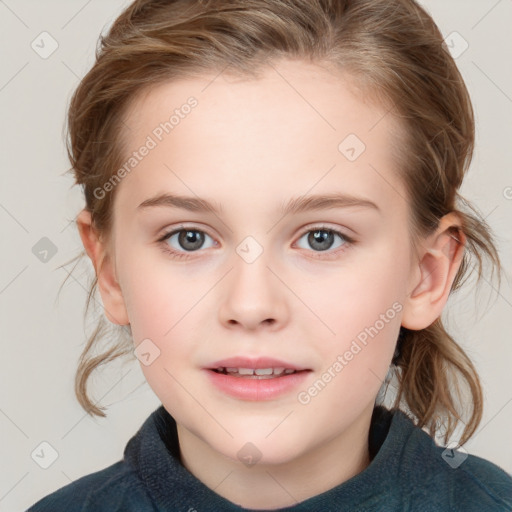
pixel 246 388
pixel 258 362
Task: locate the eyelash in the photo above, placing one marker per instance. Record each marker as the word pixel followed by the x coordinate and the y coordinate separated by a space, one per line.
pixel 328 254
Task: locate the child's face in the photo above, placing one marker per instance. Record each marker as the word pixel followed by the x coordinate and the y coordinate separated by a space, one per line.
pixel 249 147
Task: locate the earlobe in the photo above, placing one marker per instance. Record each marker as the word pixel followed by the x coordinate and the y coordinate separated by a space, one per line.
pixel 108 285
pixel 434 275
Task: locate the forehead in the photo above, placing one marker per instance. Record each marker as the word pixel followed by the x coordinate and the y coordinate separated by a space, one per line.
pixel 297 127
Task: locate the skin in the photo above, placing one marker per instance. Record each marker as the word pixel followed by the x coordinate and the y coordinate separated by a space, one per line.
pixel 250 146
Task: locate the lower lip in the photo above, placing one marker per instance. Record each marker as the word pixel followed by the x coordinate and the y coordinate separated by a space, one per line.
pixel 247 388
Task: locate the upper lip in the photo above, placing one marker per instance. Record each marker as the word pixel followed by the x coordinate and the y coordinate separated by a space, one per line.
pixel 254 363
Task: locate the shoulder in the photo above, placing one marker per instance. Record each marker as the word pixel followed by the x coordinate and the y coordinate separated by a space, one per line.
pixel 441 478
pixel 114 488
pixel 488 480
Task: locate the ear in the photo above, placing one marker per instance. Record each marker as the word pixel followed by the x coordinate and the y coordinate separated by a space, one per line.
pixel 110 290
pixel 433 275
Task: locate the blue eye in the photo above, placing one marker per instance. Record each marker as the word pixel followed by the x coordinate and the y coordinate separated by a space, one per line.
pixel 189 240
pixel 322 239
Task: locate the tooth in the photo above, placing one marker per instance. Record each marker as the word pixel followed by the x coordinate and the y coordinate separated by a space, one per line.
pixel 289 370
pixel 278 371
pixel 232 370
pixel 245 371
pixel 263 371
pixel 220 369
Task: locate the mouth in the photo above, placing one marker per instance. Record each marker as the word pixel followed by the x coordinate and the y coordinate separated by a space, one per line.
pixel 256 373
pixel 260 378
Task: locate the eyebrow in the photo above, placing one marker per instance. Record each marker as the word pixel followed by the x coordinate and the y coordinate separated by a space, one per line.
pixel 294 205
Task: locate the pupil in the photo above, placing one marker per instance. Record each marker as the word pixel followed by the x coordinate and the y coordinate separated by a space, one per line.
pixel 318 239
pixel 194 237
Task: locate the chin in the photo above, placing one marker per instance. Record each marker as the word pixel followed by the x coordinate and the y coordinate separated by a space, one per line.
pixel 263 452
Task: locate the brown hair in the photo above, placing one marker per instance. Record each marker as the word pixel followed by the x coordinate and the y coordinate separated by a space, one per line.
pixel 392 50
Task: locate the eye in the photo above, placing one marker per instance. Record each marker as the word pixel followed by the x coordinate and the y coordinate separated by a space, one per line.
pixel 185 240
pixel 180 243
pixel 322 239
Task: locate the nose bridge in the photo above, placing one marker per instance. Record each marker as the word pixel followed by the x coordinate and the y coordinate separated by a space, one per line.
pixel 253 293
pixel 251 277
pixel 251 266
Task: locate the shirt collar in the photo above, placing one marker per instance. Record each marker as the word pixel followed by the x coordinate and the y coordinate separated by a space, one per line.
pixel 154 454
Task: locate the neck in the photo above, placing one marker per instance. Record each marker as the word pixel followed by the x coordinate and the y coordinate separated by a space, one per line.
pixel 271 486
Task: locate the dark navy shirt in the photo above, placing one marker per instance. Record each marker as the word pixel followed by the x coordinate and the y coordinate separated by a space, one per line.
pixel 407 472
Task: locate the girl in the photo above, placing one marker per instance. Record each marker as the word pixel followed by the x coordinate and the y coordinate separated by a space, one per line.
pixel 272 210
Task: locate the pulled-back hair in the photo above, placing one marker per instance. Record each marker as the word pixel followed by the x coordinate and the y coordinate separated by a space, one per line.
pixel 394 53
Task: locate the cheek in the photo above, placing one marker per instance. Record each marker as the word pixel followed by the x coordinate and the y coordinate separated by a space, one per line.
pixel 162 310
pixel 157 294
pixel 355 295
pixel 163 305
pixel 363 308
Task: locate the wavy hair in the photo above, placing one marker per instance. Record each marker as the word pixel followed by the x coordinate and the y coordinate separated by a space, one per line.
pixel 393 51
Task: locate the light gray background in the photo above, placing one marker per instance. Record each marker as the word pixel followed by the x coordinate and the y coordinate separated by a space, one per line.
pixel 42 337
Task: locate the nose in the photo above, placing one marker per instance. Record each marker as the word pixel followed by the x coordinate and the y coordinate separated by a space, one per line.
pixel 253 296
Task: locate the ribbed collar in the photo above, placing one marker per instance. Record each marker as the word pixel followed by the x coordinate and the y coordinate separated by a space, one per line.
pixel 154 454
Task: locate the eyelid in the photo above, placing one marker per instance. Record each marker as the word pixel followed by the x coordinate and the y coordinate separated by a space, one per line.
pixel 324 226
pixel 167 232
